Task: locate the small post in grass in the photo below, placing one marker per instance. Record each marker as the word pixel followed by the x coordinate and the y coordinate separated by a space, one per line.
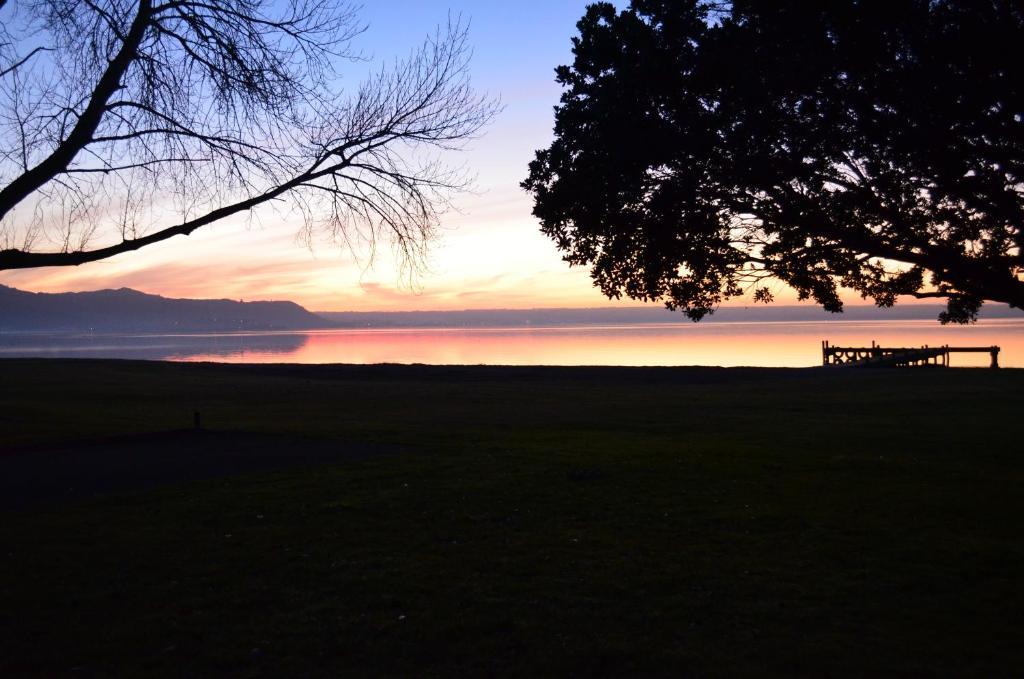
pixel 196 422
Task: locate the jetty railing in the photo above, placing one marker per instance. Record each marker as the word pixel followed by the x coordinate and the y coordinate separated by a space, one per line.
pixel 879 356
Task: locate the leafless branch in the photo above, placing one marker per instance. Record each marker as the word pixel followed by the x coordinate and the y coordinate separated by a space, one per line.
pixel 202 109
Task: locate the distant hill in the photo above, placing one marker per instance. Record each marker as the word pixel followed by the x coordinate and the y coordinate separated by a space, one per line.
pixel 126 310
pixel 514 318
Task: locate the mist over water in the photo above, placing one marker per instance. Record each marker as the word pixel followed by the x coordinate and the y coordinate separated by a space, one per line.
pixel 758 343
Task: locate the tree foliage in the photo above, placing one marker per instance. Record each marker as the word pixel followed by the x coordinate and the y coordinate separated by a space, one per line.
pixel 704 149
pixel 127 122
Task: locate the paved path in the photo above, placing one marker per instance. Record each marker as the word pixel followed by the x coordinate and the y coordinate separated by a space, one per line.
pixel 41 476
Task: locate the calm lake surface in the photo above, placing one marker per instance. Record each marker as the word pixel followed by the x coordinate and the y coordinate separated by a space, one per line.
pixel 791 344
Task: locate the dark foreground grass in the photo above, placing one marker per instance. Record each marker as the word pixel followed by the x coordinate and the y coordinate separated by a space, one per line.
pixel 564 521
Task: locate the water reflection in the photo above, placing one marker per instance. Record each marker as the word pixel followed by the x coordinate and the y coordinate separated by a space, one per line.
pixel 239 347
pixel 725 344
pixel 728 344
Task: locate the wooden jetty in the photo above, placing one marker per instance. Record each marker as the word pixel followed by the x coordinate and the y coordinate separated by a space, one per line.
pixel 878 356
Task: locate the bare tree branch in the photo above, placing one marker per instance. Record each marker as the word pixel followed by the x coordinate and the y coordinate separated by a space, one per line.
pixel 196 110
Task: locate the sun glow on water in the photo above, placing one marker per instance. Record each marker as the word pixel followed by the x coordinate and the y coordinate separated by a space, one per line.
pixel 791 344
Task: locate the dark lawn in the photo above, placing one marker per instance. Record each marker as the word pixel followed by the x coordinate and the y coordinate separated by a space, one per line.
pixel 552 521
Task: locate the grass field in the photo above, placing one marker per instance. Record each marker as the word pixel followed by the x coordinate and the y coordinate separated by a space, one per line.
pixel 593 521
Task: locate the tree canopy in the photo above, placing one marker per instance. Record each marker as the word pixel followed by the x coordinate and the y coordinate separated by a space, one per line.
pixel 126 122
pixel 705 149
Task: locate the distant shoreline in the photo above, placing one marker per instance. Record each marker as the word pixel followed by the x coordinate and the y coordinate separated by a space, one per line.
pixel 565 326
pixel 560 317
pixel 130 311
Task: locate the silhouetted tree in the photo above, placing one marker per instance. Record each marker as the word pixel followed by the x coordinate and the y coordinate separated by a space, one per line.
pixel 126 122
pixel 704 148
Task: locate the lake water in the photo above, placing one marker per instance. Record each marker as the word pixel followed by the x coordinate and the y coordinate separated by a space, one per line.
pixel 792 344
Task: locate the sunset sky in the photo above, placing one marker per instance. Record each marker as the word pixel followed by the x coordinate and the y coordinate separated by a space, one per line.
pixel 490 255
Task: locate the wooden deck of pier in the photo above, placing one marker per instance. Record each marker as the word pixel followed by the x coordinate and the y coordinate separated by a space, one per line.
pixel 879 356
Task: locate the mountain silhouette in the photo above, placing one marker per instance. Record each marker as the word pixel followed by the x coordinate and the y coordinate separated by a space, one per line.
pixel 126 310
